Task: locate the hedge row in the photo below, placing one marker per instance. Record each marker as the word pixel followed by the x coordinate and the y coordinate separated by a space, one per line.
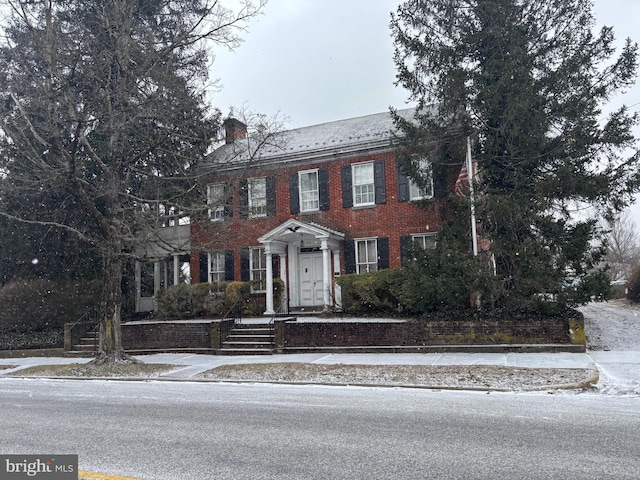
pixel 42 305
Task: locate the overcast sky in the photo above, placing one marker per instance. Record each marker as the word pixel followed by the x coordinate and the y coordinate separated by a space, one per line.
pixel 316 61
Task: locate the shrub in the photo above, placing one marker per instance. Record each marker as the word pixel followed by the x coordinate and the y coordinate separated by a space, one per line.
pixel 214 299
pixel 42 305
pixel 370 293
pixel 192 301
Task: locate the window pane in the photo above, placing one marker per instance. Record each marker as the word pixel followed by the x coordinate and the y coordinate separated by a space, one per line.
pixel 425 171
pixel 367 255
pixel 216 266
pixel 363 174
pixel 309 191
pixel 147 288
pixel 425 241
pixel 257 197
pixel 258 268
pixel 216 200
pixel 363 184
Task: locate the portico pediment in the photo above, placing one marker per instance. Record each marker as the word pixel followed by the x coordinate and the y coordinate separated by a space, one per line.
pixel 292 230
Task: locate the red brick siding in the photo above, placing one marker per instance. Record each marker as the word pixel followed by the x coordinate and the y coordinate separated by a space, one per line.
pixel 391 219
pixel 166 335
pixel 414 333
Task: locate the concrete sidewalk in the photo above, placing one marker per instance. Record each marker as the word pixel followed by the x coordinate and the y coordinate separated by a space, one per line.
pixel 197 363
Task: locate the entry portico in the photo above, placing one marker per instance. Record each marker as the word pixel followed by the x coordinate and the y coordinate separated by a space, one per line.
pixel 309 259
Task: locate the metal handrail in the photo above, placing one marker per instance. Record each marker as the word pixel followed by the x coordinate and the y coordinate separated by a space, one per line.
pixel 84 317
pixel 89 320
pixel 238 315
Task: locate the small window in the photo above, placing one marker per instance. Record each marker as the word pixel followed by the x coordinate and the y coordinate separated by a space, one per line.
pixel 216 201
pixel 426 241
pixel 257 195
pixel 426 172
pixel 258 269
pixel 363 184
pixel 216 266
pixel 309 198
pixel 366 255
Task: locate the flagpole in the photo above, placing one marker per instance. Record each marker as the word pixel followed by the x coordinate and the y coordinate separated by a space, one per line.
pixel 471 173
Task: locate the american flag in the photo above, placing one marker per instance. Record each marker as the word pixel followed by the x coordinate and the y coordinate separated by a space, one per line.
pixel 463 178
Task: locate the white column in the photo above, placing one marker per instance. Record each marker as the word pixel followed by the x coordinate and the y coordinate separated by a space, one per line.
pixel 283 277
pixel 157 277
pixel 268 254
pixel 176 269
pixel 326 273
pixel 337 291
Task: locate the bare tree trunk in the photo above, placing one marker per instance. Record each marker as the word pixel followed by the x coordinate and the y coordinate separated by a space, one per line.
pixel 110 348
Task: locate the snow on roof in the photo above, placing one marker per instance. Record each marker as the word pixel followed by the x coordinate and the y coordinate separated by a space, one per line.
pixel 341 136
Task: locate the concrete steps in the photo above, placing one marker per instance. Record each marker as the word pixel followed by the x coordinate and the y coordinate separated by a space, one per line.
pixel 87 346
pixel 248 339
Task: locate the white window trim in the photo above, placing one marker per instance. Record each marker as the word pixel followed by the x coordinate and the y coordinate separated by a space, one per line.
pixel 250 204
pixel 413 186
pixel 369 262
pixel 252 269
pixel 211 272
pixel 353 184
pixel 306 172
pixel 418 237
pixel 216 214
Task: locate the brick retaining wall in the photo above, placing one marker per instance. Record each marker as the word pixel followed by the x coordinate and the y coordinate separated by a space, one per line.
pixel 166 335
pixel 292 334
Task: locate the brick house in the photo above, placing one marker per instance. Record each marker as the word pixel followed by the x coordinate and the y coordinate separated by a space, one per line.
pixel 308 205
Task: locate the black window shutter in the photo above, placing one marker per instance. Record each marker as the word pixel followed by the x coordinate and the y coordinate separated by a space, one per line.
pixel 275 266
pixel 347 191
pixel 244 199
pixel 294 193
pixel 228 265
pixel 405 243
pixel 379 182
pixel 204 267
pixel 349 256
pixel 403 186
pixel 244 264
pixel 440 182
pixel 228 205
pixel 323 189
pixel 383 253
pixel 271 196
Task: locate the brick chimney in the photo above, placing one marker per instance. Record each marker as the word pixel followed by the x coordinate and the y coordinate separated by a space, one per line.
pixel 234 130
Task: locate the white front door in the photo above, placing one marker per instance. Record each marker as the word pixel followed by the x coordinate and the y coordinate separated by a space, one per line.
pixel 311 291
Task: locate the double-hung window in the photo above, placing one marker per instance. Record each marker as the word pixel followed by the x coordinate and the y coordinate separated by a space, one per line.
pixel 363 184
pixel 309 193
pixel 258 269
pixel 216 201
pixel 366 255
pixel 425 171
pixel 257 197
pixel 216 266
pixel 426 241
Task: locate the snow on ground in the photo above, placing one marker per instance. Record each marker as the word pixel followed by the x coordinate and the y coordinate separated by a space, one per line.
pixel 613 325
pixel 468 377
pixel 613 342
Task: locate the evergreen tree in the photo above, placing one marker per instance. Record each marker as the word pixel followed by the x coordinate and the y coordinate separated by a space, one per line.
pixel 104 121
pixel 527 81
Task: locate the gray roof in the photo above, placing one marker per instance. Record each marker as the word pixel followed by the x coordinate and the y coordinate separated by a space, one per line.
pixel 342 137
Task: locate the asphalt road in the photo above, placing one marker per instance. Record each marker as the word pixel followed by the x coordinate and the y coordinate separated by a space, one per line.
pixel 187 431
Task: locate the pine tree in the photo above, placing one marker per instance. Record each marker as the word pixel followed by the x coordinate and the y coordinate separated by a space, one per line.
pixel 528 81
pixel 104 121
